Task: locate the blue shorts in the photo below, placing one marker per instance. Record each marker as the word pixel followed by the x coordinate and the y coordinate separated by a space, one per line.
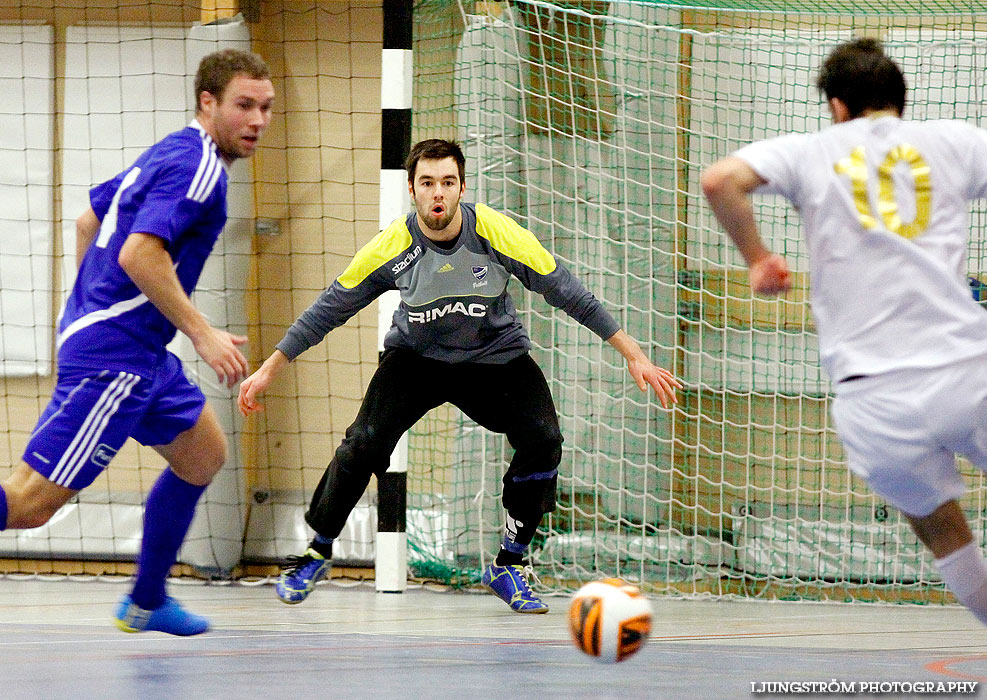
pixel 93 412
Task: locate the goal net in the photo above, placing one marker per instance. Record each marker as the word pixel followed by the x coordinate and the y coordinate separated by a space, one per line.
pixel 589 122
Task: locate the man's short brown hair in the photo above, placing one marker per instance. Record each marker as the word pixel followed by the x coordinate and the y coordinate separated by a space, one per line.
pixel 219 68
pixel 861 75
pixel 435 149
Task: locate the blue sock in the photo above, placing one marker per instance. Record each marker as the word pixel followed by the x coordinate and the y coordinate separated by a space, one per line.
pixel 167 516
pixel 512 546
pixel 322 545
pixel 3 509
pixel 510 552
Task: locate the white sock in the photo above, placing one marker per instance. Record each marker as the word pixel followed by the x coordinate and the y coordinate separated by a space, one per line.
pixel 965 574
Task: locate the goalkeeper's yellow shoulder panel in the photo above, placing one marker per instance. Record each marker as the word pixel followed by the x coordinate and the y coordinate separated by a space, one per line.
pixel 508 237
pixel 381 248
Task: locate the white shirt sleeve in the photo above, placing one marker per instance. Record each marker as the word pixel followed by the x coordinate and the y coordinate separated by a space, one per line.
pixel 777 161
pixel 976 152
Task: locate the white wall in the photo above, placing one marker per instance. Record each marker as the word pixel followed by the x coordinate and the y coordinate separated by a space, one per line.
pixel 26 199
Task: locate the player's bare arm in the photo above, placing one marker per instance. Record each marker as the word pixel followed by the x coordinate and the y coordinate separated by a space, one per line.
pixel 146 260
pixel 643 371
pixel 727 185
pixel 258 382
pixel 86 228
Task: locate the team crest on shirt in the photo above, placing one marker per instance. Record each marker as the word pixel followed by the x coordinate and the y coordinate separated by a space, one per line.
pixel 102 455
pixel 479 271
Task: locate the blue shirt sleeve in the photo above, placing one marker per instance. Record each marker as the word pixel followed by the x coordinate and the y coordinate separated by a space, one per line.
pixel 166 210
pixel 101 196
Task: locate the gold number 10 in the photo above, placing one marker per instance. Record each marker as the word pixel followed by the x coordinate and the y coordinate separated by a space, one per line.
pixel 855 167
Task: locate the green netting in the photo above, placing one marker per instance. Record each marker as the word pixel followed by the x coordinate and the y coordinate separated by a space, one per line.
pixel 589 122
pixel 894 9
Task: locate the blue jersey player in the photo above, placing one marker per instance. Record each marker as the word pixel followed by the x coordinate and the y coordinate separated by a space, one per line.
pixel 141 248
pixel 455 338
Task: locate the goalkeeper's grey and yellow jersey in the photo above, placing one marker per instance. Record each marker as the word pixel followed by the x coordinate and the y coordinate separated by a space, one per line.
pixel 454 303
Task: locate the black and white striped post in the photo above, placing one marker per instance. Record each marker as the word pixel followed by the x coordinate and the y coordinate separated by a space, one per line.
pixel 391 550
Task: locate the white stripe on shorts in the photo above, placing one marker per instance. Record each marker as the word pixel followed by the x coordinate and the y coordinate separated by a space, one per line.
pixel 68 400
pixel 87 438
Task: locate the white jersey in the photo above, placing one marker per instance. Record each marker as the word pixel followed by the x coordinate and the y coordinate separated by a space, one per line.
pixel 885 203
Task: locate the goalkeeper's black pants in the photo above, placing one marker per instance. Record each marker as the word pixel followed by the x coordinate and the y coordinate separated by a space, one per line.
pixel 511 398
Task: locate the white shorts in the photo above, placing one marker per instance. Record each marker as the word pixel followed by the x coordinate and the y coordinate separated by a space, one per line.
pixel 901 431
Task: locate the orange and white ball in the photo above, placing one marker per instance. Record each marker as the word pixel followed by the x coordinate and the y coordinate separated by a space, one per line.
pixel 609 619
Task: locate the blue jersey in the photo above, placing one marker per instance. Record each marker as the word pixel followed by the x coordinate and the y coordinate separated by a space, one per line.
pixel 176 190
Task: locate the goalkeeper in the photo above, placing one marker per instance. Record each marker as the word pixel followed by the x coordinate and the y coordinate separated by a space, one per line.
pixel 454 338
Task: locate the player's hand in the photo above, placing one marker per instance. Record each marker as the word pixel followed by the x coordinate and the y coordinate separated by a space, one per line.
pixel 770 276
pixel 643 371
pixel 218 349
pixel 255 384
pixel 258 382
pixel 646 374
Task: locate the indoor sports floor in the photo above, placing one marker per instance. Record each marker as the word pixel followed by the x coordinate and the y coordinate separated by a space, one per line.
pixel 351 642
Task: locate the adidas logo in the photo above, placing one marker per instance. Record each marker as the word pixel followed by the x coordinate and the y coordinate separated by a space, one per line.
pixel 446 268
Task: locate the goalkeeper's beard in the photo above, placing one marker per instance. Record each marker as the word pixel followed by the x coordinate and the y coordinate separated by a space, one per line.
pixel 439 223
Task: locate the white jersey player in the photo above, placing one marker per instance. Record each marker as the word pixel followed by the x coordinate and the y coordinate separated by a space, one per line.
pixel 885 205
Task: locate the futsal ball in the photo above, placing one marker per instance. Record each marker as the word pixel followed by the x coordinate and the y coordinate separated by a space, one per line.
pixel 609 619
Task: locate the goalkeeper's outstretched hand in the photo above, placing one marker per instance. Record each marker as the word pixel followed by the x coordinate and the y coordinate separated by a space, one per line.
pixel 660 379
pixel 644 372
pixel 257 382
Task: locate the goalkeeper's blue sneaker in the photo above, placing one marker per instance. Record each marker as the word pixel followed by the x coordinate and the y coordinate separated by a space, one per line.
pixel 299 576
pixel 510 583
pixel 170 618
